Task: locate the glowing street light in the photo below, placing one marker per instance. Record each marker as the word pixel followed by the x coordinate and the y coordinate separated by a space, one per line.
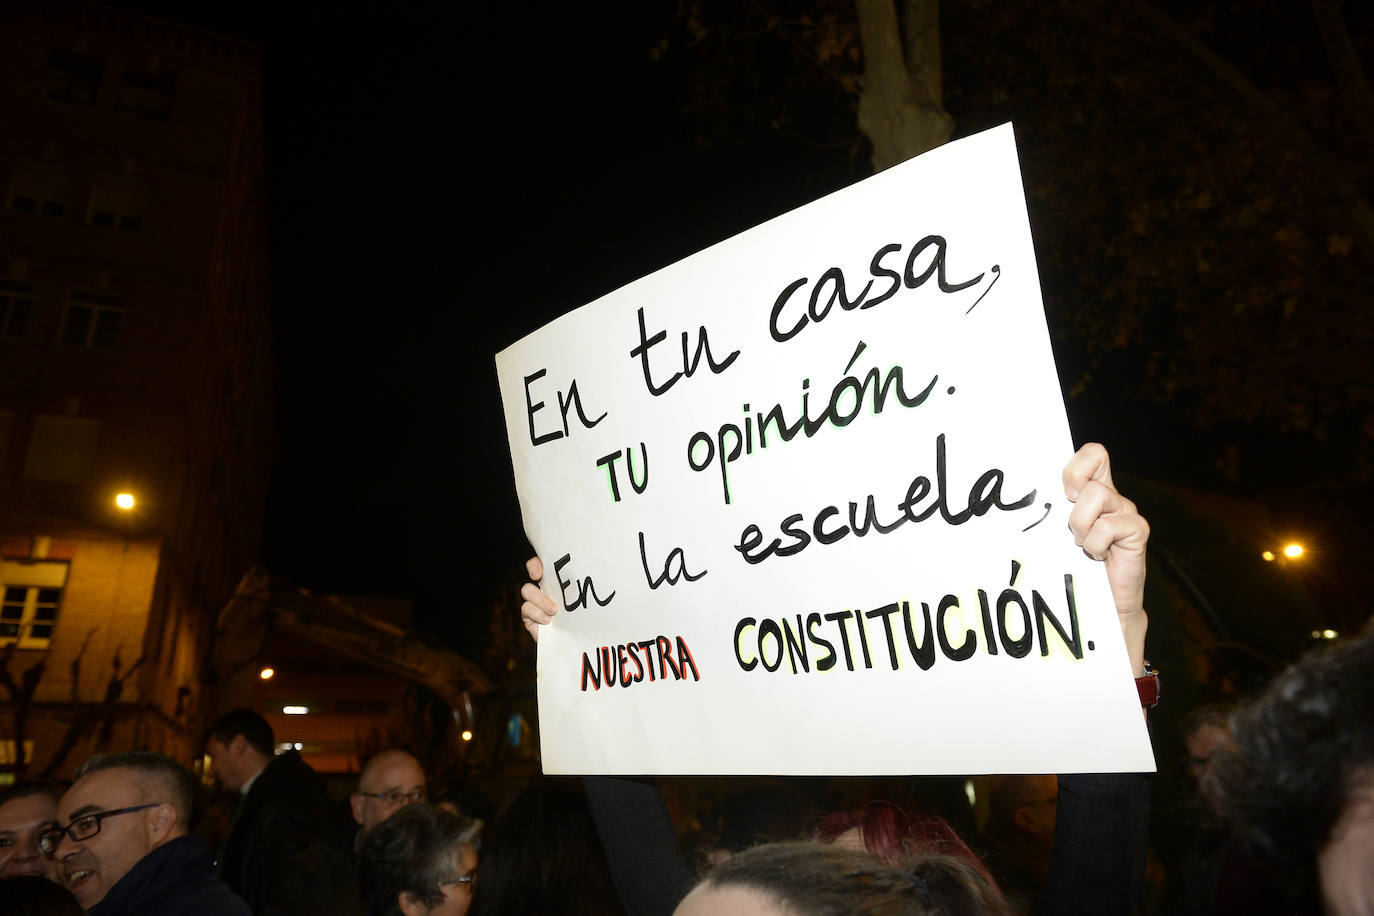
pixel 1293 551
pixel 266 673
pixel 124 501
pixel 1268 556
pixel 467 735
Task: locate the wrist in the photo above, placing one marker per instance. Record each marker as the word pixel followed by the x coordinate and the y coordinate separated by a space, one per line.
pixel 1133 627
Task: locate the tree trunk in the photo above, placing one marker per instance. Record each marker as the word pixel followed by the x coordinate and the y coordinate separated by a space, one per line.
pixel 21 696
pixel 901 107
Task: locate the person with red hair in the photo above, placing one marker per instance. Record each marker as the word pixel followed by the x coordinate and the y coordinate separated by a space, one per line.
pixel 895 836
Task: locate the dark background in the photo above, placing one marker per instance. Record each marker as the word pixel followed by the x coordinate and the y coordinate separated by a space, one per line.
pixel 444 181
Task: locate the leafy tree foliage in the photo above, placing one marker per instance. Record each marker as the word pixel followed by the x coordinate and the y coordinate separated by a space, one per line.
pixel 1197 177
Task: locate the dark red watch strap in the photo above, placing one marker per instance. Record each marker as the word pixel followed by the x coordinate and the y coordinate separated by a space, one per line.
pixel 1148 688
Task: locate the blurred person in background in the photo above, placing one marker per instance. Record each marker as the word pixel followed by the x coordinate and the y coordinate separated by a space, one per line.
pixel 1022 816
pixel 286 851
pixel 1298 787
pixel 389 781
pixel 26 810
pixel 541 855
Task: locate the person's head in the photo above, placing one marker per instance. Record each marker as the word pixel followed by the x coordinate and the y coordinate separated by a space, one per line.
pixel 389 781
pixel 1299 785
pixel 33 895
pixel 466 801
pixel 541 847
pixel 895 835
pixel 1025 807
pixel 1206 732
pixel 419 861
pixel 26 810
pixel 121 807
pixel 240 745
pixel 768 813
pixel 812 879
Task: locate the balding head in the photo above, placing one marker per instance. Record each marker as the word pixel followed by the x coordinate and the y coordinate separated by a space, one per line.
pixel 390 781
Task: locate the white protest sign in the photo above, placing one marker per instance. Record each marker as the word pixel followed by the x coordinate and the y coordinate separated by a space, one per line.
pixel 799 498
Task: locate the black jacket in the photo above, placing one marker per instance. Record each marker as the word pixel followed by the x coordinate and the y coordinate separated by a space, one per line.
pixel 176 879
pixel 284 853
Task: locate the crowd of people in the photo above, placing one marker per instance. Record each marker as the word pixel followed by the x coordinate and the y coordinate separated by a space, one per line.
pixel 1284 786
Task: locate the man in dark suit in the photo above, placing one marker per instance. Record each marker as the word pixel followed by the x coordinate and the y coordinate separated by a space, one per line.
pixel 284 852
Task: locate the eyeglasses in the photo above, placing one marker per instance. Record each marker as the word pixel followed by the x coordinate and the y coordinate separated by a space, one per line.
pixel 397 797
pixel 83 828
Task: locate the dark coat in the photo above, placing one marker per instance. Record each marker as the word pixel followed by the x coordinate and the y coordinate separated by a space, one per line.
pixel 284 853
pixel 176 879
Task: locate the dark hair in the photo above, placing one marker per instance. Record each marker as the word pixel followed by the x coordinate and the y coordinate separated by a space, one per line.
pixel 766 813
pixel 1299 749
pixel 172 778
pixel 1217 714
pixel 410 852
pixel 470 801
pixel 813 879
pixel 28 789
pixel 248 723
pixel 896 835
pixel 34 895
pixel 542 855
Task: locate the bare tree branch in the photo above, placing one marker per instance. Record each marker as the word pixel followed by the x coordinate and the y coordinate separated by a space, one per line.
pixel 1345 64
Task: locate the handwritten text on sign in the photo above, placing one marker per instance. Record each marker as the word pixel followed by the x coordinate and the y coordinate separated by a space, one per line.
pixel 799 497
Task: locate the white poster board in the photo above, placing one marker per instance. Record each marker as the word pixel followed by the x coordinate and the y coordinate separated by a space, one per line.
pixel 878 578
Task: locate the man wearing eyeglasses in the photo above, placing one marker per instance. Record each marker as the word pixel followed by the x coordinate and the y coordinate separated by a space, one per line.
pixel 389 781
pixel 121 845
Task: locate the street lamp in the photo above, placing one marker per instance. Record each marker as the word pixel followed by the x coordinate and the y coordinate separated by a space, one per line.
pixel 124 501
pixel 1291 551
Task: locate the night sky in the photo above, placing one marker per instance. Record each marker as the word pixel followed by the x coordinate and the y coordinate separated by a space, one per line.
pixel 445 181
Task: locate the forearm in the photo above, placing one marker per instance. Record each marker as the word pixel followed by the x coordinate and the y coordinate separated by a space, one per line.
pixel 651 874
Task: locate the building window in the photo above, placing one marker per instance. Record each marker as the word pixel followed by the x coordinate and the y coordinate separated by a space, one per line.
pixel 30 599
pixel 73 79
pixel 16 309
pixel 40 187
pixel 145 95
pixel 62 449
pixel 117 208
pixel 93 320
